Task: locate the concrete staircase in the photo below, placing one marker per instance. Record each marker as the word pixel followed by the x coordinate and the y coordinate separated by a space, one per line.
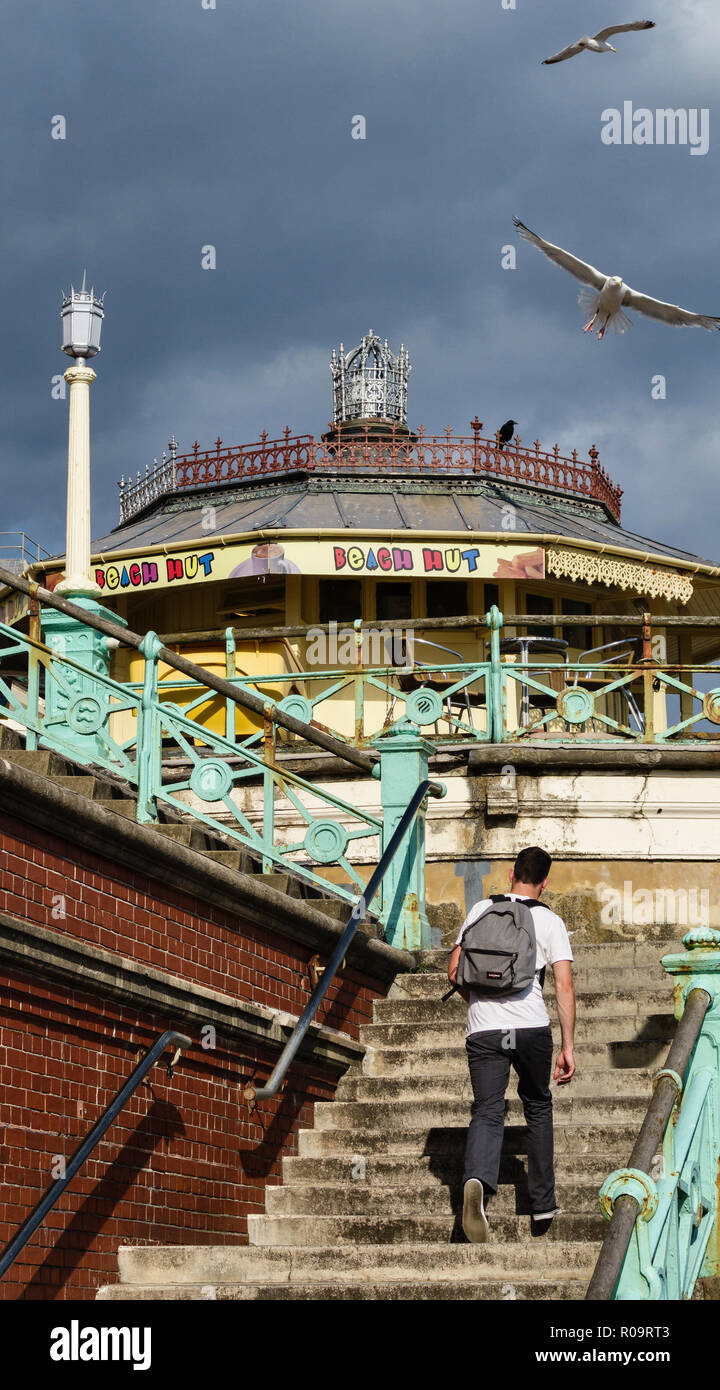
pixel 371 1206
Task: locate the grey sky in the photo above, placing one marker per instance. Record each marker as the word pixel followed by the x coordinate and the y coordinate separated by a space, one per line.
pixel 233 127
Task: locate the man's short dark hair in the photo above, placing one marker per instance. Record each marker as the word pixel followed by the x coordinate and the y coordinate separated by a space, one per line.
pixel 532 865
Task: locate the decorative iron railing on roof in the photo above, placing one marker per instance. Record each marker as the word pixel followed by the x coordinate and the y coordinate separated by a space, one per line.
pixel 352 450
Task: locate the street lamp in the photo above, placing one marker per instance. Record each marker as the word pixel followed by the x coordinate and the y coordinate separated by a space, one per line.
pixel 82 315
pixel 77 704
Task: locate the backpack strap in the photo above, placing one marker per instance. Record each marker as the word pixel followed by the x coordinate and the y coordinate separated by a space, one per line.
pixel 501 898
pixel 528 902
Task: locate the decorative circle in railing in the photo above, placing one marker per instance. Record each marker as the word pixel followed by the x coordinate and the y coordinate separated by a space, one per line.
pixel 575 705
pixel 211 779
pixel 711 706
pixel 424 706
pixel 86 714
pixel 325 841
pixel 297 706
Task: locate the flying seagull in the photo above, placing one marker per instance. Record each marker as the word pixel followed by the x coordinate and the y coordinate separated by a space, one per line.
pixel 506 431
pixel 607 293
pixel 599 43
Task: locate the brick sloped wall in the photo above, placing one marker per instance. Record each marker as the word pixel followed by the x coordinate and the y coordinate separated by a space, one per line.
pixel 185 1162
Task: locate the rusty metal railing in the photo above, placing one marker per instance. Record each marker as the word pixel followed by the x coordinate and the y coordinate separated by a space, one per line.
pixel 395 451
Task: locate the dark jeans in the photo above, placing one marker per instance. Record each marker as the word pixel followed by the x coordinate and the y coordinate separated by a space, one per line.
pixel 489 1057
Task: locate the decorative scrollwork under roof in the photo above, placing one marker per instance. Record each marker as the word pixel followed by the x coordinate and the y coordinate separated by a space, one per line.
pixel 617 572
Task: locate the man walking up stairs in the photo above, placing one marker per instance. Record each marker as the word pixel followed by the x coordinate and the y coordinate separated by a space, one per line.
pixel 508 1023
pixel 371 1206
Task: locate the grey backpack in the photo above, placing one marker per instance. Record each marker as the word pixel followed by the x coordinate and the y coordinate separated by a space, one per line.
pixel 499 949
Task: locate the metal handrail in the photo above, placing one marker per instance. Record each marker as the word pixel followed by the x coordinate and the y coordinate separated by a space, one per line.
pixel 359 912
pixel 626 1209
pixel 47 1202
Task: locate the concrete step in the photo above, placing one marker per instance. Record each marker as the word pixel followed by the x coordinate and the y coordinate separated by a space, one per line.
pixel 10 739
pixel 618 953
pixel 380 1171
pixel 91 788
pixel 413 1199
pixel 584 1137
pixel 608 1057
pixel 450 1030
pixel 589 979
pixel 554 1288
pixel 597 1084
pixel 235 859
pixel 621 1003
pixel 122 806
pixel 402 1115
pixel 194 836
pixel 43 762
pixel 397 1230
pixel 178 1265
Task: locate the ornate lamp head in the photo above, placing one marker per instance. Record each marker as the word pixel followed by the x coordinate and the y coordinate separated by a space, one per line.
pixel 82 315
pixel 370 383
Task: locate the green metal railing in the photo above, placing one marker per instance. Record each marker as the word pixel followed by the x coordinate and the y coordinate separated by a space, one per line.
pixel 252 1094
pixel 471 701
pixel 73 706
pixel 664 1231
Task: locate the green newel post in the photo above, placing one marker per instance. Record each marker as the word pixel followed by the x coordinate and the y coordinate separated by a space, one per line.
pixel 676 1237
pixel 149 734
pixel 698 967
pixel 77 706
pixel 494 696
pixel 403 766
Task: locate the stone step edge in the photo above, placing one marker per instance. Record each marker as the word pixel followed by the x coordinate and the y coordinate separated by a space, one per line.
pixel 509 1287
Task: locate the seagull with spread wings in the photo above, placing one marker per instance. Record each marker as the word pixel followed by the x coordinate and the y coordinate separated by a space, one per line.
pixel 599 44
pixel 607 294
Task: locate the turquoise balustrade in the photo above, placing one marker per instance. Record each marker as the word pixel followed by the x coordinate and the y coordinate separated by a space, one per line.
pixel 295 825
pixel 675 1238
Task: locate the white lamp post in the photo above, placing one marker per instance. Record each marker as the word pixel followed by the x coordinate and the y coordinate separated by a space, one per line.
pixel 77 703
pixel 82 315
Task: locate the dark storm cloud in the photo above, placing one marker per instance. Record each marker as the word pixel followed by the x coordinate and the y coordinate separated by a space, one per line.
pixel 232 127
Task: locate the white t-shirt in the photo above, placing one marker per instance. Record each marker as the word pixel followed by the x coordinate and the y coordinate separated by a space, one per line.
pixel 526 1009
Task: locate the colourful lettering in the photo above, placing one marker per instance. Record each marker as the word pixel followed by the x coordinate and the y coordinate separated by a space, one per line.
pixel 112 576
pixel 355 557
pixel 174 568
pixel 402 559
pixel 452 560
pixel 339 557
pixel 149 572
pixel 432 559
pixel 100 579
pixel 471 557
pixel 384 558
pixel 206 562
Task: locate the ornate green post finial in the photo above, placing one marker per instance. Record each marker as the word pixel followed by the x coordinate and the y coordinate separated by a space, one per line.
pixel 697 967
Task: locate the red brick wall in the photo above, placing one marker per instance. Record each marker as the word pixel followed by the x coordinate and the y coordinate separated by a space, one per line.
pixel 184 1162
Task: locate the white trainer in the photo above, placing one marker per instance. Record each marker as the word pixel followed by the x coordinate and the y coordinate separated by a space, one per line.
pixel 475 1223
pixel 541 1220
